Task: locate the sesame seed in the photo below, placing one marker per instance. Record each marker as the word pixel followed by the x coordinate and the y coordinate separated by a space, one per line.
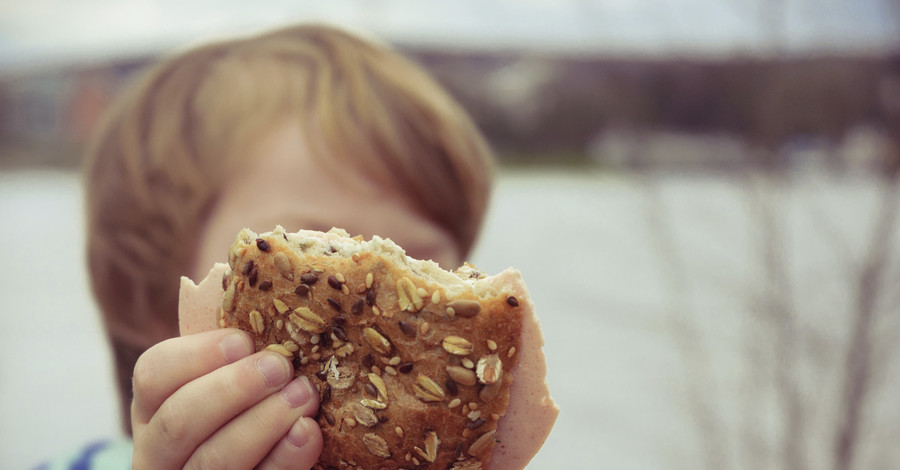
pixel 492 345
pixel 454 403
pixel 340 278
pixel 370 278
pixel 511 352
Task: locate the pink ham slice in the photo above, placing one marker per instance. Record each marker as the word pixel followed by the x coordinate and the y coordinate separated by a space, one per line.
pixel 531 412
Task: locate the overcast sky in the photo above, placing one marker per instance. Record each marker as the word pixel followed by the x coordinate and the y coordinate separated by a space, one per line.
pixel 38 31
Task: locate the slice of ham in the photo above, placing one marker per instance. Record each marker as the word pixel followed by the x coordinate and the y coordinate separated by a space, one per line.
pixel 531 412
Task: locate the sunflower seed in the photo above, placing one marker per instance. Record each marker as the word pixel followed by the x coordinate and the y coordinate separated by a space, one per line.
pixel 283 264
pixel 464 307
pixel 431 446
pixel 489 392
pixel 461 375
pixel 280 349
pixel 379 384
pixel 257 323
pixel 228 299
pixel 482 444
pixel 280 306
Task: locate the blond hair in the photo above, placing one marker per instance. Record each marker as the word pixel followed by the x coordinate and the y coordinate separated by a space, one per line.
pixel 155 166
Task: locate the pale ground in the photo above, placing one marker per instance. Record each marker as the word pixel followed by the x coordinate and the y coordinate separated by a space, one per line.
pixel 649 292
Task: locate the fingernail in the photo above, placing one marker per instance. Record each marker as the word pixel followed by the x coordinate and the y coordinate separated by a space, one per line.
pixel 235 346
pixel 300 433
pixel 297 392
pixel 273 369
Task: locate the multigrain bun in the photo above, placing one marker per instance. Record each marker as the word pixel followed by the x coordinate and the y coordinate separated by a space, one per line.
pixel 414 364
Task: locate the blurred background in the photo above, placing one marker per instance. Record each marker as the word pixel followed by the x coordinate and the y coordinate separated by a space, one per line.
pixel 718 181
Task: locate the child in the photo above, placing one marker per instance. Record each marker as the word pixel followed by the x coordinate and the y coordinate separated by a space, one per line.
pixel 306 127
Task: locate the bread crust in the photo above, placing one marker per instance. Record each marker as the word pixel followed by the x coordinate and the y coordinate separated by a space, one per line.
pixel 413 364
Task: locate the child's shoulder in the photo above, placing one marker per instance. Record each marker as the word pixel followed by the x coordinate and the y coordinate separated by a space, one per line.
pixel 100 455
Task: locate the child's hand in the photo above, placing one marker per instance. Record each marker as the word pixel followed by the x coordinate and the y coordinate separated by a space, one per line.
pixel 205 401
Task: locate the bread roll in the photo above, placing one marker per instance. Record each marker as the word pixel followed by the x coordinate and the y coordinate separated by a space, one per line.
pixel 416 367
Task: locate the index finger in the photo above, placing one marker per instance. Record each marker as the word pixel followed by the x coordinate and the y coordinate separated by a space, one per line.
pixel 169 365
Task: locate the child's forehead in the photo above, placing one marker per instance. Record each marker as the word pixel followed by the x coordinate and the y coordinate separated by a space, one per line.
pixel 281 182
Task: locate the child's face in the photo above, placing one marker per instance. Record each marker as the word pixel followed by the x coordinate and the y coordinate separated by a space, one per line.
pixel 283 185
